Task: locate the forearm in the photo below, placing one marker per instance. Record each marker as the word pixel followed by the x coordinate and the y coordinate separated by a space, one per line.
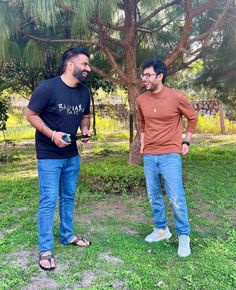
pixel 188 136
pixel 85 123
pixel 142 138
pixel 142 142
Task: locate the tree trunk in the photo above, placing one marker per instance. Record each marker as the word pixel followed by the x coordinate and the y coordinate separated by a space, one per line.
pixel 134 155
pixel 130 9
pixel 134 152
pixel 131 129
pixel 94 114
pixel 222 119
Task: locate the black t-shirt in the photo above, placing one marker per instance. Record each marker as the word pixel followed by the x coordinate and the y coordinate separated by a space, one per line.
pixel 61 108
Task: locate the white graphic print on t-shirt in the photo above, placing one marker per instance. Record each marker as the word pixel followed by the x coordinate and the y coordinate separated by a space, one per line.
pixel 71 109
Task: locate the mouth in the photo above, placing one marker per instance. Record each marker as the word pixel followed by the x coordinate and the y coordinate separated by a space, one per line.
pixel 85 74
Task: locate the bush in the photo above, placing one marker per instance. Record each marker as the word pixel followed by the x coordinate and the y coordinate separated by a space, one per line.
pixel 109 125
pixel 7 156
pixel 113 176
pixel 211 124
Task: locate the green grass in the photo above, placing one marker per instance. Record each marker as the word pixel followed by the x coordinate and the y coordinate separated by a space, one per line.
pixel 118 224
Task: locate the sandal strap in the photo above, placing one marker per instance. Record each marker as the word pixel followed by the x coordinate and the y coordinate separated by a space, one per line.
pixel 46 257
pixel 83 240
pixel 78 239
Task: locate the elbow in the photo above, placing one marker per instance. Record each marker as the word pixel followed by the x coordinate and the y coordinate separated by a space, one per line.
pixel 27 114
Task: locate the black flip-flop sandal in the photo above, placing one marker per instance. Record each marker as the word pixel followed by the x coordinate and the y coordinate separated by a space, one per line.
pixel 79 239
pixel 48 258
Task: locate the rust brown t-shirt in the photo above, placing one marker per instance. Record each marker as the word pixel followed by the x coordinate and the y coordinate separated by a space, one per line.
pixel 161 120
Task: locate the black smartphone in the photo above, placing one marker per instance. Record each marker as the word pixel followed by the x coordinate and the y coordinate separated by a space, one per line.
pixel 70 138
pixel 67 138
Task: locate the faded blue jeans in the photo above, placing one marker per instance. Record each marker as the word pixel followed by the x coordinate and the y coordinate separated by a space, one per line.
pixel 169 166
pixel 57 177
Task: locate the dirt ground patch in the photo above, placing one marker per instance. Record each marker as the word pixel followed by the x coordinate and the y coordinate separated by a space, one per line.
pixel 124 210
pixel 110 259
pixel 232 215
pixel 42 282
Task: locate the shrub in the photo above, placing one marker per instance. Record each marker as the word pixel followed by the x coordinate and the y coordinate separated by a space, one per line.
pixel 7 156
pixel 113 176
pixel 108 125
pixel 211 124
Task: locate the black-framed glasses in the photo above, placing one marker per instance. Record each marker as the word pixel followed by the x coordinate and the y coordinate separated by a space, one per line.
pixel 147 75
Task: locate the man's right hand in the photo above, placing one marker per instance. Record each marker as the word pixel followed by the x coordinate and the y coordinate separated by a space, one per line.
pixel 57 139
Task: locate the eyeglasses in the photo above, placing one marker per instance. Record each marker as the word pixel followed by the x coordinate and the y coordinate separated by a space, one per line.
pixel 147 75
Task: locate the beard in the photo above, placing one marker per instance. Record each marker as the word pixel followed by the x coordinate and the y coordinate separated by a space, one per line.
pixel 78 74
pixel 153 88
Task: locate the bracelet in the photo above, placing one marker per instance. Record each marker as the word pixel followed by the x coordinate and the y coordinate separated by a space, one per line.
pixel 52 137
pixel 186 142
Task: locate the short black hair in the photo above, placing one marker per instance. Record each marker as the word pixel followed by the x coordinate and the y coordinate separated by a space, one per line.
pixel 71 52
pixel 158 65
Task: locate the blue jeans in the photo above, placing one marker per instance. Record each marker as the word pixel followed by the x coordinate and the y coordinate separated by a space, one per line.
pixel 169 166
pixel 57 177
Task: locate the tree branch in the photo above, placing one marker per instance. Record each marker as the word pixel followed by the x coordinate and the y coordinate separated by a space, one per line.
pixel 115 27
pixel 184 65
pixel 199 10
pixel 155 12
pixel 206 35
pixel 106 76
pixel 185 35
pixel 102 43
pixel 106 36
pixel 46 40
pixel 153 30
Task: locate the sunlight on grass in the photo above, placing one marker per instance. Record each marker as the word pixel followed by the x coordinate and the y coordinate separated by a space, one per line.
pixel 210 140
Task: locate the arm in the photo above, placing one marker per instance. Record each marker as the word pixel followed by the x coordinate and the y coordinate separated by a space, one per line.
pixel 84 127
pixel 35 120
pixel 142 142
pixel 191 115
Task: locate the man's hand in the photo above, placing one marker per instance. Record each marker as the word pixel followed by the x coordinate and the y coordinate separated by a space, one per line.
pixel 85 132
pixel 185 149
pixel 57 139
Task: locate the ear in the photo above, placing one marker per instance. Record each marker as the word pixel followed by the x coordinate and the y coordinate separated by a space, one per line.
pixel 160 77
pixel 70 65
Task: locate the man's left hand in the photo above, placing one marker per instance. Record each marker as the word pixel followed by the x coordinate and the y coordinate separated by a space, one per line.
pixel 85 132
pixel 185 149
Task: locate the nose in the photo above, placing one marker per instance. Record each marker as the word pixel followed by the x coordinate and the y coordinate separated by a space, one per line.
pixel 88 68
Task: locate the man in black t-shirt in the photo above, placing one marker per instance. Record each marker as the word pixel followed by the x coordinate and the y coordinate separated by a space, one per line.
pixel 59 106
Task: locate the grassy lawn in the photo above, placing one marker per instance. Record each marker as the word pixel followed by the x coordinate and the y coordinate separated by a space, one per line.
pixel 117 223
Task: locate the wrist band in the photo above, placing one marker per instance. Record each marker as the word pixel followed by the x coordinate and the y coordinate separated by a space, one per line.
pixel 186 142
pixel 53 133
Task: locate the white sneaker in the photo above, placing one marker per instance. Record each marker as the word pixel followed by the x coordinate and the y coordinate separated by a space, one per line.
pixel 184 246
pixel 158 235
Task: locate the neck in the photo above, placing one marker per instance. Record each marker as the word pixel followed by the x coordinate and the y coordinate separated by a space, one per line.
pixel 159 88
pixel 69 80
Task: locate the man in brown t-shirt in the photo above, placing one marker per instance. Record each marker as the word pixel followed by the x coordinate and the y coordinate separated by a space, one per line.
pixel 161 110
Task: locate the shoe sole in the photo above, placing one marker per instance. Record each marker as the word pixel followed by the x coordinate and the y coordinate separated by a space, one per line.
pixel 162 239
pixel 184 256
